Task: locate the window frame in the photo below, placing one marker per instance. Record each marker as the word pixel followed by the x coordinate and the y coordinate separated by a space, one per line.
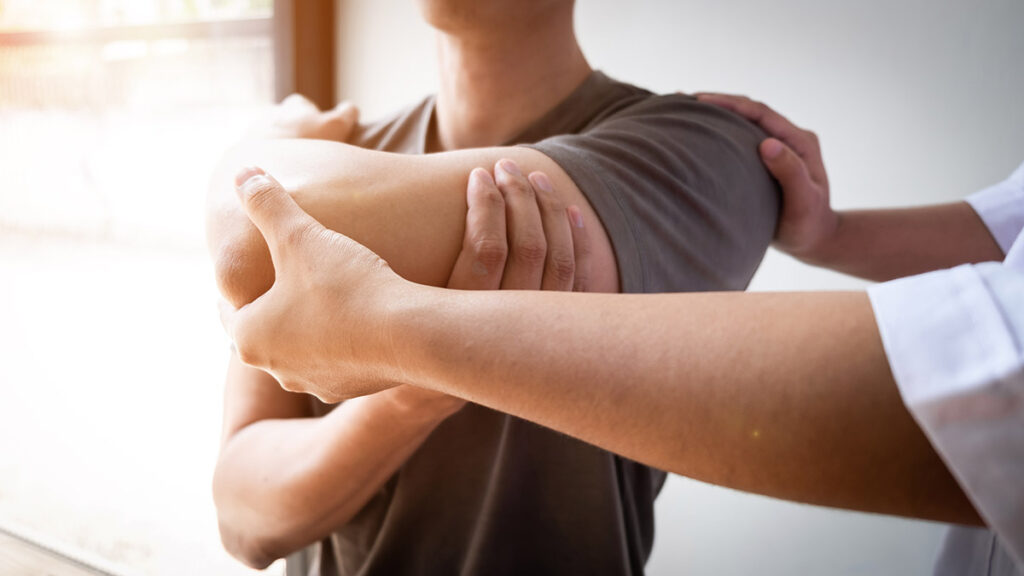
pixel 304 50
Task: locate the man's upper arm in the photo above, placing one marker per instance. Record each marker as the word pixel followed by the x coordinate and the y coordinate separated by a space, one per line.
pixel 673 186
pixel 681 190
pixel 409 209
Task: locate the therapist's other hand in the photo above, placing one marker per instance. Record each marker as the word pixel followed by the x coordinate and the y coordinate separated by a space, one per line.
pixel 322 328
pixel 298 117
pixel 793 155
pixel 518 236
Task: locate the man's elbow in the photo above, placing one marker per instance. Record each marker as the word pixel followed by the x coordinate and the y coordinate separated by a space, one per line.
pixel 243 270
pixel 252 532
pixel 253 552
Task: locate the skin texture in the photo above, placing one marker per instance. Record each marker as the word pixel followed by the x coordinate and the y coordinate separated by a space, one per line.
pixel 874 244
pixel 787 395
pixel 497 74
pixel 409 209
pixel 276 484
pixel 265 513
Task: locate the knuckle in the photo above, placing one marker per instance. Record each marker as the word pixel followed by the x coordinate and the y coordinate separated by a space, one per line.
pixel 530 250
pixel 561 265
pixel 551 203
pixel 297 235
pixel 489 251
pixel 246 353
pixel 491 197
pixel 516 186
pixel 261 192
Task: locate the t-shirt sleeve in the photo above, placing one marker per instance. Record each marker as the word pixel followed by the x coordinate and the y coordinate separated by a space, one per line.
pixel 681 190
pixel 1001 208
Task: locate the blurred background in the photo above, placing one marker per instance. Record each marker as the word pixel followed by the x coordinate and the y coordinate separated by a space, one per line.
pixel 113 113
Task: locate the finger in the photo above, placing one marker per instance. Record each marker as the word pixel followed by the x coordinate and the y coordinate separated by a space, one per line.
pixel 339 121
pixel 759 113
pixel 527 249
pixel 559 264
pixel 581 249
pixel 240 331
pixel 283 224
pixel 790 170
pixel 481 263
pixel 803 142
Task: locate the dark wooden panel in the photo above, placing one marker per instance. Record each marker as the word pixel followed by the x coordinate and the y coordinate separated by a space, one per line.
pixel 304 49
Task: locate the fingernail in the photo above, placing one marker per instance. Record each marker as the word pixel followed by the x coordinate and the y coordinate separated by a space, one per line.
pixel 577 216
pixel 540 180
pixel 771 148
pixel 482 176
pixel 245 174
pixel 510 167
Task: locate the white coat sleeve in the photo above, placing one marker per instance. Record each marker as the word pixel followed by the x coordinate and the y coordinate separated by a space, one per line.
pixel 954 342
pixel 1001 208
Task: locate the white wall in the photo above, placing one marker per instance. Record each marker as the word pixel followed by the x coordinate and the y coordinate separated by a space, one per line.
pixel 915 101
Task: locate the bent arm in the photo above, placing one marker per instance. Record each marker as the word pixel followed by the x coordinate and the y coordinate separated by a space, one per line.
pixel 285 479
pixel 409 209
pixel 786 395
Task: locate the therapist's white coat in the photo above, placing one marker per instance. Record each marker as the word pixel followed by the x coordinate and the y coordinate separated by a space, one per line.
pixel 955 342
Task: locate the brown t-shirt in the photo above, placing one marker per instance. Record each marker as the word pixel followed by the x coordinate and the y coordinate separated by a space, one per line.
pixel 688 206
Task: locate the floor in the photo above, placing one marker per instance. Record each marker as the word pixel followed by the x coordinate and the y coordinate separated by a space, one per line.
pixel 19 557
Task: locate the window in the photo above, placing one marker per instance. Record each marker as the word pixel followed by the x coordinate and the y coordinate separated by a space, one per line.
pixel 112 116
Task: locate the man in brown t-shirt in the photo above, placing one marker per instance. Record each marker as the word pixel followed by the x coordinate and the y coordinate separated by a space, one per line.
pixel 686 205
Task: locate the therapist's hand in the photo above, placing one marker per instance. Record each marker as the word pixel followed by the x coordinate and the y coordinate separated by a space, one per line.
pixel 519 236
pixel 322 328
pixel 327 325
pixel 793 155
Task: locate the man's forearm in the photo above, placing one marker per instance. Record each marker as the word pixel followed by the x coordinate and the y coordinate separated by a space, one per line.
pixel 408 209
pixel 282 484
pixel 787 395
pixel 887 244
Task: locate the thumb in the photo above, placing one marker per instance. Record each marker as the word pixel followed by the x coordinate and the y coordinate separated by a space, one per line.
pixel 788 168
pixel 273 210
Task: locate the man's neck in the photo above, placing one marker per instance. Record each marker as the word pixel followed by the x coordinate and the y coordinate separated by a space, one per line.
pixel 493 87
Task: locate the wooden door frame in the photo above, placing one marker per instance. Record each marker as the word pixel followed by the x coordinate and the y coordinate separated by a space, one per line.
pixel 304 44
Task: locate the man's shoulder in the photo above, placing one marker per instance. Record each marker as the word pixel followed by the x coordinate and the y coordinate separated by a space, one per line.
pixel 404 131
pixel 678 110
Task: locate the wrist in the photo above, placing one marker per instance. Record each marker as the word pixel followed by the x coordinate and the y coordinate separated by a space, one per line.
pixel 407 336
pixel 825 250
